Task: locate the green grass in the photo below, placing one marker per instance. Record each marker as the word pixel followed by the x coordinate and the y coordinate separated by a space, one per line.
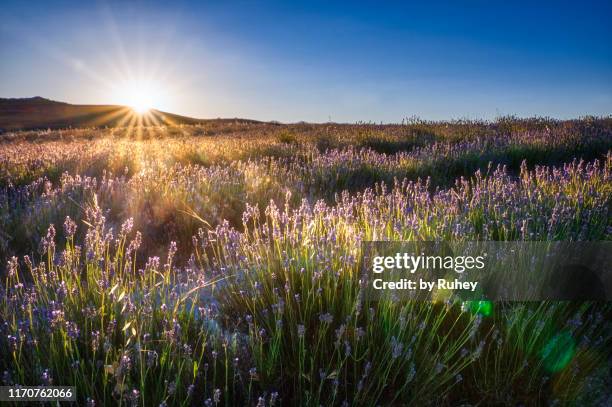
pixel 260 300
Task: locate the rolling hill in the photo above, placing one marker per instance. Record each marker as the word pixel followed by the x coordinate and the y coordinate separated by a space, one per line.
pixel 40 113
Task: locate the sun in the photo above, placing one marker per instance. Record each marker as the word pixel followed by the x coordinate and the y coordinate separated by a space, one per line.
pixel 140 103
pixel 140 95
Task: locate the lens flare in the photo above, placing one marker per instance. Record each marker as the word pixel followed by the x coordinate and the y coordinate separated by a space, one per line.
pixel 140 95
pixel 558 352
pixel 484 307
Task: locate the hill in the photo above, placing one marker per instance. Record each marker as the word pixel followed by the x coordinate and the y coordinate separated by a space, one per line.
pixel 40 113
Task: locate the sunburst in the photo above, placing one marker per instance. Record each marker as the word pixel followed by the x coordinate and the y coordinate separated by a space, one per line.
pixel 139 94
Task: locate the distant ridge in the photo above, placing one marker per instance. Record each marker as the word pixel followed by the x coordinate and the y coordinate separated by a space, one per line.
pixel 40 113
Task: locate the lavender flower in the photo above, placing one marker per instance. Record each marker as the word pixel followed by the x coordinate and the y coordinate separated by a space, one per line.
pixel 326 318
pixel 217 396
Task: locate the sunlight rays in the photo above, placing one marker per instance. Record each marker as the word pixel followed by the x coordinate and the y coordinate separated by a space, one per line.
pixel 140 94
pixel 139 75
pixel 133 122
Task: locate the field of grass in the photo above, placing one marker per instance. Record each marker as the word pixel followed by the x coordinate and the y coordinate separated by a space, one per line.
pixel 218 264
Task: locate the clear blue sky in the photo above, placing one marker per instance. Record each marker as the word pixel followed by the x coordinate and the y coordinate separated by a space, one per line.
pixel 314 60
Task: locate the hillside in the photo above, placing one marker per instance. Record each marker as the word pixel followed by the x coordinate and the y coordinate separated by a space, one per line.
pixel 41 113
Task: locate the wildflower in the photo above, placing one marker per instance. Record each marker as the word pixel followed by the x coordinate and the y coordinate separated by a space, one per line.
pixel 95 340
pixel 125 365
pixel 46 378
pixel 72 330
pixel 171 251
pixel 12 266
pixel 69 227
pixel 301 330
pixel 61 291
pixel 126 227
pixel 171 387
pixel 151 358
pixel 134 396
pixel 326 318
pixel 347 349
pixel 135 243
pixel 273 398
pixel 360 332
pixel 152 263
pixel 396 348
pixel 12 342
pixel 48 242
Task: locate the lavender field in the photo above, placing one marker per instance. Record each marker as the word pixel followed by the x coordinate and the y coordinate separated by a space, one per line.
pixel 218 264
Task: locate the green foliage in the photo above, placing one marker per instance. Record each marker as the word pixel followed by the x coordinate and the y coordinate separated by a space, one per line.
pixel 220 264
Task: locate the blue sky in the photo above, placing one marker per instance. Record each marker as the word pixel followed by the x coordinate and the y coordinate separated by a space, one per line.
pixel 316 61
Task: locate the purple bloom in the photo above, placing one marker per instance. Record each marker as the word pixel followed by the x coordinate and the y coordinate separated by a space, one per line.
pixel 326 318
pixel 69 227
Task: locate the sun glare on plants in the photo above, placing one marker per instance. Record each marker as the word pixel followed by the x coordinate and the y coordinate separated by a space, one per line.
pixel 140 95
